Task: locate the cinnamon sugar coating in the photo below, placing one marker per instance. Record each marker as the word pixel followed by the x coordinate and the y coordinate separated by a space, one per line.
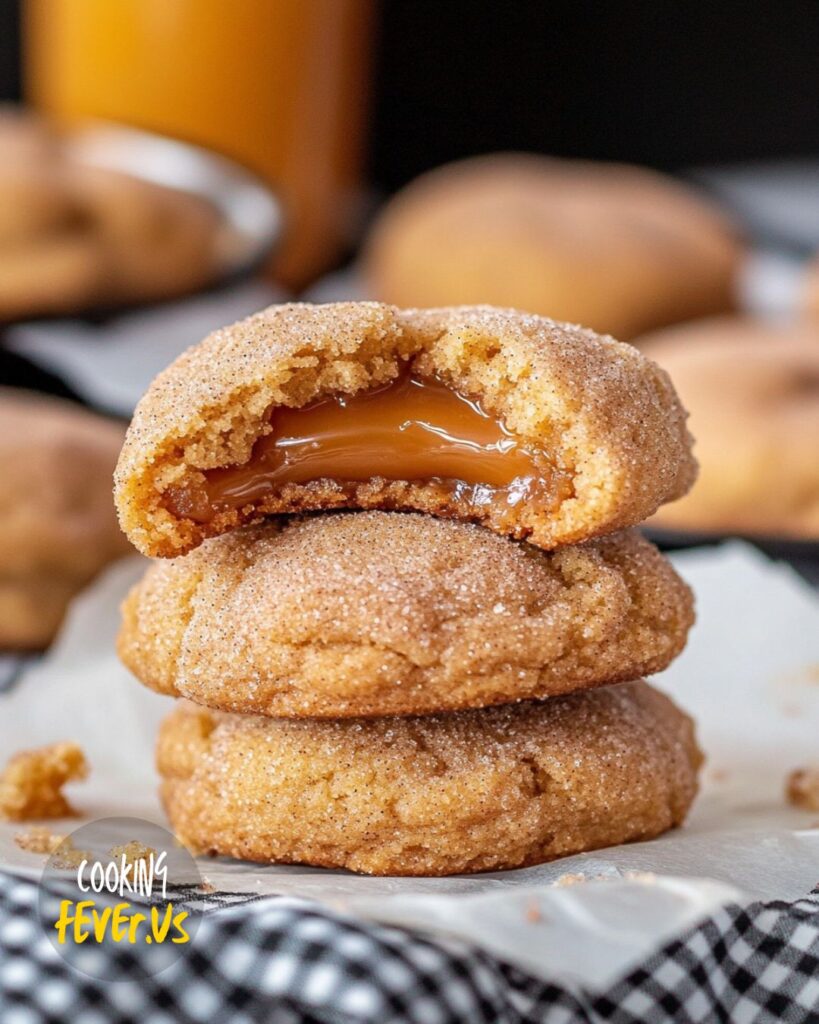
pixel 604 415
pixel 381 613
pixel 444 794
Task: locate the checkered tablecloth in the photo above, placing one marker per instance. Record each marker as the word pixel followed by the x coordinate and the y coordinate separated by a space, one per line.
pixel 276 959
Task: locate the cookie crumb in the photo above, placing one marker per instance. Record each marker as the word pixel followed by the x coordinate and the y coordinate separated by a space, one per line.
pixel 39 839
pixel 571 879
pixel 802 788
pixel 533 912
pixel 641 876
pixel 68 856
pixel 31 783
pixel 134 853
pixel 207 886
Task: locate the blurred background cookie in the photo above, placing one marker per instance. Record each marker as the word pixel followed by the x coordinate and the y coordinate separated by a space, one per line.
pixel 156 242
pixel 74 238
pixel 34 200
pixel 617 248
pixel 57 521
pixel 53 273
pixel 752 391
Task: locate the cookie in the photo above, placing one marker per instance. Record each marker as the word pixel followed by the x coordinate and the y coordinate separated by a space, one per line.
pixel 33 201
pixel 538 430
pixel 157 242
pixel 438 795
pixel 54 274
pixel 75 237
pixel 57 522
pixel 397 613
pixel 619 249
pixel 753 392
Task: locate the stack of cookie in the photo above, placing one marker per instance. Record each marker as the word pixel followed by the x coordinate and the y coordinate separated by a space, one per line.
pixel 447 678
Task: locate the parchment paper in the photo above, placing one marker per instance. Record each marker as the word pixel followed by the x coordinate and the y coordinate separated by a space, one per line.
pixel 750 675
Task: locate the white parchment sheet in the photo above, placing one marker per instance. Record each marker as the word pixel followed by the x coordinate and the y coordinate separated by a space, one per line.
pixel 750 676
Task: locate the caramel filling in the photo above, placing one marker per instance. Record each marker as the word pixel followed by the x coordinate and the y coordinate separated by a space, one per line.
pixel 411 429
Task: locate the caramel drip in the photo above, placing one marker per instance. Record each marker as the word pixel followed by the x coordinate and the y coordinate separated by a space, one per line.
pixel 410 429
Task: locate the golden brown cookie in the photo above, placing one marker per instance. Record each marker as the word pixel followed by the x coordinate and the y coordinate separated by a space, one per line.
pixel 157 242
pixel 49 261
pixel 56 273
pixel 74 237
pixel 468 791
pixel 57 522
pixel 617 248
pixel 753 392
pixel 34 201
pixel 535 429
pixel 380 613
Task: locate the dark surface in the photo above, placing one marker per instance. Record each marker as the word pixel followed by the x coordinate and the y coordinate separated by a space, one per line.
pixel 15 371
pixel 665 84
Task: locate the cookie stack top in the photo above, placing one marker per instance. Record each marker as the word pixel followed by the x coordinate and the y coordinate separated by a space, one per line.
pixel 373 613
pixel 603 420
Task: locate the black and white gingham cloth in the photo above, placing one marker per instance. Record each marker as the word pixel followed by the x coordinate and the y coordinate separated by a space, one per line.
pixel 278 960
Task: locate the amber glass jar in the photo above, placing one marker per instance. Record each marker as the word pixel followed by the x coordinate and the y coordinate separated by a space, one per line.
pixel 279 85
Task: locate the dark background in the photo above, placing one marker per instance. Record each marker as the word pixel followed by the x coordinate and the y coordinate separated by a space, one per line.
pixel 671 84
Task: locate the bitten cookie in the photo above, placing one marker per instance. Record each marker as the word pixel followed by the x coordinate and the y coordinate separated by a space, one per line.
pixel 464 792
pixel 620 249
pixel 753 392
pixel 380 613
pixel 57 521
pixel 536 429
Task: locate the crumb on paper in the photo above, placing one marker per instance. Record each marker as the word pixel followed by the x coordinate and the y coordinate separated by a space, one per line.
pixel 571 879
pixel 533 912
pixel 806 674
pixel 61 849
pixel 133 853
pixel 579 877
pixel 803 788
pixel 207 886
pixel 39 839
pixel 68 856
pixel 31 783
pixel 718 774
